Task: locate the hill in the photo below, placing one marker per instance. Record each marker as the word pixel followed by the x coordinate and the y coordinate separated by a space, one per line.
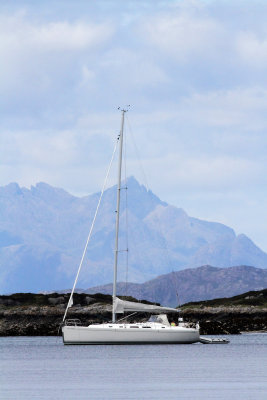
pixel 246 312
pixel 254 298
pixel 193 284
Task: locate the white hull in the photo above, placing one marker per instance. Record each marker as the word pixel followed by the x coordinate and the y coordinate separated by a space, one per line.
pixel 110 334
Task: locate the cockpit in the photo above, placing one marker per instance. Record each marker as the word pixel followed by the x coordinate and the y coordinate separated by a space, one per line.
pixel 160 319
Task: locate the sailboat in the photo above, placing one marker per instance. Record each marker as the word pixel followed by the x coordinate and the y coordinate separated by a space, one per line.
pixel 157 330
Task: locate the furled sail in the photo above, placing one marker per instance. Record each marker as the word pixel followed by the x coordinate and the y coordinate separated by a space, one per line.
pixel 121 306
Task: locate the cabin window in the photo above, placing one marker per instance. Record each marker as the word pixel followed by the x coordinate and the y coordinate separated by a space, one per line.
pixel 146 327
pixel 134 326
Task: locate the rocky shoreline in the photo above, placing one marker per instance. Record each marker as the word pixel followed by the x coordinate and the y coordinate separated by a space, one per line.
pixel 41 315
pixel 228 321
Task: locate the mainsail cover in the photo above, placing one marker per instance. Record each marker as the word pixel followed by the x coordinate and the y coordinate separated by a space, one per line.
pixel 121 306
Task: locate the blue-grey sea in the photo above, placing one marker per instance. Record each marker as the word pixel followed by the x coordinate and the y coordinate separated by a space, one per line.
pixel 43 368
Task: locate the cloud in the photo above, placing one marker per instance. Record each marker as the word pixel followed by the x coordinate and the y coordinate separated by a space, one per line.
pixel 198 45
pixel 37 149
pixel 87 77
pixel 45 61
pixel 137 70
pixel 204 174
pixel 18 32
pixel 252 49
pixel 193 71
pixel 68 159
pixel 182 35
pixel 237 107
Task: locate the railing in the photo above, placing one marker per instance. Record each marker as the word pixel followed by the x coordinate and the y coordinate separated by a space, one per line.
pixel 73 322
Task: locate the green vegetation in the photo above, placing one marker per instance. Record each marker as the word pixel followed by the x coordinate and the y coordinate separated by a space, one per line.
pixel 252 298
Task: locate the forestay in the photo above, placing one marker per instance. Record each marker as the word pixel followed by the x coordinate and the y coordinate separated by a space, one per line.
pixel 121 306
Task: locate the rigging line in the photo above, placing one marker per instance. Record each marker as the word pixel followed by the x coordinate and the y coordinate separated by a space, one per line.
pixel 70 302
pixel 126 215
pixel 127 316
pixel 145 182
pixel 165 247
pixel 138 154
pixel 176 288
pixel 133 237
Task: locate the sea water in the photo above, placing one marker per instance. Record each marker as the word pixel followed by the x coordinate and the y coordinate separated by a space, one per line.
pixel 43 368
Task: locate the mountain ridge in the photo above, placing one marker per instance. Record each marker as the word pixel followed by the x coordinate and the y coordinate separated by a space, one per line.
pixel 43 230
pixel 192 285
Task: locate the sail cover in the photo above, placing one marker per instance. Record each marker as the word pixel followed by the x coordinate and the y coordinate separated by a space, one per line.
pixel 121 306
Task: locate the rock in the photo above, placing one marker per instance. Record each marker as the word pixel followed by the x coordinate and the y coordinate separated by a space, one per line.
pixel 44 317
pixel 56 300
pixel 89 300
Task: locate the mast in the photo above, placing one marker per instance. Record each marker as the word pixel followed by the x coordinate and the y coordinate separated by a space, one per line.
pixel 117 218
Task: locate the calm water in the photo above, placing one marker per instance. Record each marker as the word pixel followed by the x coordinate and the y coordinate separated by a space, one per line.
pixel 42 368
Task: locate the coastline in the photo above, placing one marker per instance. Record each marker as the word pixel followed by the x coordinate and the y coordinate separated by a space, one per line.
pixel 41 315
pixel 228 320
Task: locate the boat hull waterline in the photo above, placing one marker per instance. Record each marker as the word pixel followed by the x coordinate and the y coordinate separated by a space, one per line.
pixel 111 335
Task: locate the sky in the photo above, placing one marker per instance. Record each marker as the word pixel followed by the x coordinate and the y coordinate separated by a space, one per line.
pixel 194 73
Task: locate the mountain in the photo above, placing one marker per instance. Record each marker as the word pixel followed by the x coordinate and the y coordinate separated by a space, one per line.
pixel 193 284
pixel 43 231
